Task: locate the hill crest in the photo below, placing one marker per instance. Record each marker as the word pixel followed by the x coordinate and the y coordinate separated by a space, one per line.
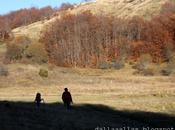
pixel 118 8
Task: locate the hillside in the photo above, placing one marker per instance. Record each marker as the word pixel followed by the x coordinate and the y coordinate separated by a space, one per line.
pixel 32 31
pixel 122 8
pixel 118 8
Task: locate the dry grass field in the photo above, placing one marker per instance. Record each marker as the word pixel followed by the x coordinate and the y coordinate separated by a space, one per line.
pixel 122 8
pixel 116 88
pixel 114 98
pixel 102 98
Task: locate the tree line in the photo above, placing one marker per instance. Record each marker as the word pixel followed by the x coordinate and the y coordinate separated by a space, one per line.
pixel 26 16
pixel 23 17
pixel 87 40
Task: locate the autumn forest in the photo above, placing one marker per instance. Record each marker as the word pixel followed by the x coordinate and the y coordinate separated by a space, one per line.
pixel 87 40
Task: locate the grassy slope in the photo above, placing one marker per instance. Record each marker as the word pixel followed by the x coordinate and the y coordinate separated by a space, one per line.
pixel 122 8
pixel 119 8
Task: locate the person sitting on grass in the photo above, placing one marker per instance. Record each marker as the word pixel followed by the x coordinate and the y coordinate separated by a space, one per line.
pixel 38 100
pixel 67 98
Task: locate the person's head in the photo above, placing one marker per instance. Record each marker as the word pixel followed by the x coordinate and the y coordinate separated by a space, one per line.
pixel 38 95
pixel 66 89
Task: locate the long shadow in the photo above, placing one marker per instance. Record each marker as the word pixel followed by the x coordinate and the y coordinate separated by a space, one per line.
pixel 25 116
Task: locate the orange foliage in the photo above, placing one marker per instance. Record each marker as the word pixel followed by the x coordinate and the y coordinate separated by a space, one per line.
pixel 4 29
pixel 87 40
pixel 27 16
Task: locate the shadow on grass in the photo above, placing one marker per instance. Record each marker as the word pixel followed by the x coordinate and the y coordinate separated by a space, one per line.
pixel 25 116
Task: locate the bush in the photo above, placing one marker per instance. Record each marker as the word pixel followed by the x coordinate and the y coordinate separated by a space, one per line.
pixel 119 64
pixel 145 72
pixel 36 53
pixel 143 63
pixel 115 64
pixel 148 72
pixel 169 52
pixel 166 72
pixel 170 68
pixel 132 63
pixel 43 73
pixel 143 66
pixel 104 65
pixel 20 48
pixel 170 60
pixel 14 52
pixel 3 71
pixel 16 48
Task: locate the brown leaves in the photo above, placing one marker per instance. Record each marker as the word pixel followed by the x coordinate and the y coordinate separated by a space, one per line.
pixel 86 40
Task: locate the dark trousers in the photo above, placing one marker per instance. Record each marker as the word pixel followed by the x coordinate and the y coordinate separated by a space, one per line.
pixel 67 105
pixel 38 104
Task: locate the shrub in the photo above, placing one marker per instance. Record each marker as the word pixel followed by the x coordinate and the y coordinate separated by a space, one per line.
pixel 36 53
pixel 119 64
pixel 104 65
pixel 145 72
pixel 172 61
pixel 169 52
pixel 143 66
pixel 43 73
pixel 14 52
pixel 148 72
pixel 20 48
pixel 143 63
pixel 132 63
pixel 16 48
pixel 166 72
pixel 112 65
pixel 170 67
pixel 3 71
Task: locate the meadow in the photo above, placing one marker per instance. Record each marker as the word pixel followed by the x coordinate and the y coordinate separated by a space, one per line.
pixel 102 98
pixel 107 93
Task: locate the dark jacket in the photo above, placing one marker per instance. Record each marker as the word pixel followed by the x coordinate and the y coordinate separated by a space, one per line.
pixel 38 97
pixel 66 97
